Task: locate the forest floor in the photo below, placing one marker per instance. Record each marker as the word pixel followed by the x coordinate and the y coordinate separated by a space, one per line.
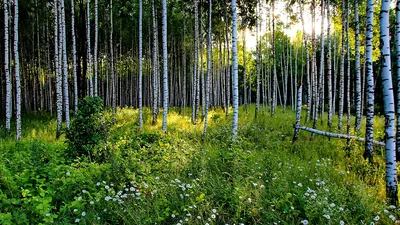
pixel 183 178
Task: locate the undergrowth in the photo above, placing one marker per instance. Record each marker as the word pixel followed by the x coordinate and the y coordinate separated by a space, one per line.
pixel 182 178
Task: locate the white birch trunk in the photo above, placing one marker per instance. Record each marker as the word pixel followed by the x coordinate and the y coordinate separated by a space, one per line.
pixel 17 77
pixel 140 68
pixel 341 74
pixel 258 61
pixel 358 72
pixel 329 64
pixel 96 37
pixel 65 65
pixel 165 66
pixel 244 71
pixel 196 49
pixel 322 64
pixel 89 54
pixel 7 67
pixel 57 70
pixel 207 85
pixel 74 56
pixel 298 114
pixel 155 63
pixel 235 85
pixel 388 100
pixel 113 88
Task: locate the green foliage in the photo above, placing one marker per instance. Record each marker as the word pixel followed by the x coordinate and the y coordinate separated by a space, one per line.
pixel 151 177
pixel 88 131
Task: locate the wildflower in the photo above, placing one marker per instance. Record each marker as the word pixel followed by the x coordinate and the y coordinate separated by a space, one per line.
pixel 98 184
pixel 173 215
pixel 83 213
pixel 207 224
pixel 341 209
pixel 214 210
pixel 372 223
pixel 98 218
pixel 332 205
pixel 47 214
pixel 327 216
pixel 392 217
pixel 91 202
pixel 75 210
pixel 304 222
pixel 341 222
pixel 300 185
pixel 77 220
pixel 198 217
pixel 83 191
pixel 107 187
pixel 249 199
pixel 79 198
pixel 213 216
pixel 68 174
pixel 386 211
pixel 178 224
pixel 107 198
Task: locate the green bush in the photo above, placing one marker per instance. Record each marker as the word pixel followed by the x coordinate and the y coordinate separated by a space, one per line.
pixel 88 131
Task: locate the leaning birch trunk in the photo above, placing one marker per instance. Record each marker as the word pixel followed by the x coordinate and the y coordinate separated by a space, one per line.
pixel 7 68
pixel 155 73
pixel 165 66
pixel 298 114
pixel 65 64
pixel 388 100
pixel 341 74
pixel 358 72
pixel 329 64
pixel 207 86
pixel 398 77
pixel 57 71
pixel 235 105
pixel 74 56
pixel 17 77
pixel 196 49
pixel 89 54
pixel 96 37
pixel 340 136
pixel 140 68
pixel 114 92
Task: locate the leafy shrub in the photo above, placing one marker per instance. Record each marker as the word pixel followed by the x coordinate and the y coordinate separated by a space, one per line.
pixel 88 131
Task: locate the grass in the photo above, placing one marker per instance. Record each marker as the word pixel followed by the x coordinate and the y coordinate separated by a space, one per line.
pixel 185 178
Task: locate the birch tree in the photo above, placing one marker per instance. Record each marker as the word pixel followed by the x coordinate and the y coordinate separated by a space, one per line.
pixel 57 71
pixel 16 64
pixel 113 88
pixel 369 133
pixel 140 67
pixel 196 49
pixel 341 74
pixel 165 65
pixel 7 68
pixel 96 37
pixel 209 50
pixel 358 72
pixel 388 100
pixel 89 54
pixel 65 65
pixel 329 64
pixel 74 56
pixel 155 65
pixel 235 85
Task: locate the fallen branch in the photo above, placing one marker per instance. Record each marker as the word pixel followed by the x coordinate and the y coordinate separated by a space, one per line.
pixel 340 136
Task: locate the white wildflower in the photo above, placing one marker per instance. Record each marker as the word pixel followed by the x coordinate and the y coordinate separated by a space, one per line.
pixel 83 213
pixel 304 222
pixel 77 220
pixel 327 216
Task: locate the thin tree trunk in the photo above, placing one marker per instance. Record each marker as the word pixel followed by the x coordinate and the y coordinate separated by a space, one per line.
pixel 140 68
pixel 96 37
pixel 74 56
pixel 57 71
pixel 341 75
pixel 329 64
pixel 209 60
pixel 65 64
pixel 16 64
pixel 165 66
pixel 195 64
pixel 398 77
pixel 358 72
pixel 113 88
pixel 155 63
pixel 7 68
pixel 235 72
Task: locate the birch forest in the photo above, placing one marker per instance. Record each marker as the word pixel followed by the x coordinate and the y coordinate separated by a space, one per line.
pixel 199 112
